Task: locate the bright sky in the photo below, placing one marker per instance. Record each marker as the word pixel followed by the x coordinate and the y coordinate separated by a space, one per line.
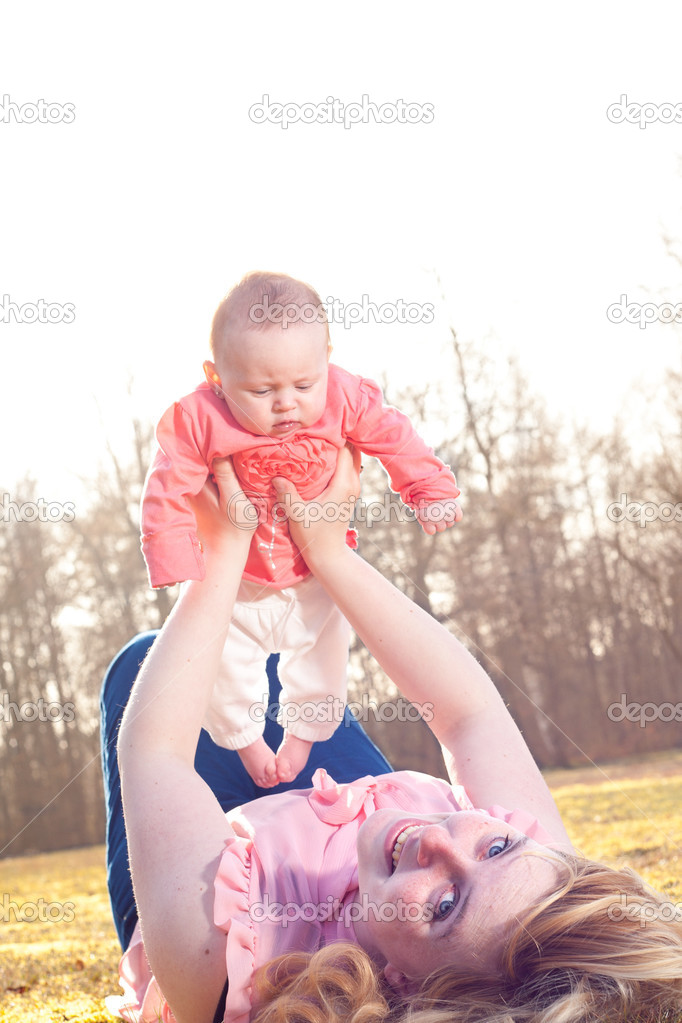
pixel 537 211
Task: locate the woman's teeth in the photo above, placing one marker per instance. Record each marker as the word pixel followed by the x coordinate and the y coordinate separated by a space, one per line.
pixel 400 841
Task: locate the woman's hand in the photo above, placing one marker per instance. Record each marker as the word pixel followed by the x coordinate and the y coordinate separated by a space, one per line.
pixel 318 527
pixel 222 508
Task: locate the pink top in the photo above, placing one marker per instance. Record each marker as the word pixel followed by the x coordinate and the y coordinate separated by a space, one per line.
pixel 289 880
pixel 200 428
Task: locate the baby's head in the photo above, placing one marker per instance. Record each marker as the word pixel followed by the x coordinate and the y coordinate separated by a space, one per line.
pixel 270 346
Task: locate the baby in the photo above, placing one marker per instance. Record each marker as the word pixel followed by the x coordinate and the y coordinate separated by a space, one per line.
pixel 274 404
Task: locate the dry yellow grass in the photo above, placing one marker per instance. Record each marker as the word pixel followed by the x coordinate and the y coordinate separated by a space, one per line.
pixel 630 813
pixel 53 971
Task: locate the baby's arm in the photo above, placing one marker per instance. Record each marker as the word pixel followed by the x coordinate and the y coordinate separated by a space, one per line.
pixel 423 481
pixel 170 543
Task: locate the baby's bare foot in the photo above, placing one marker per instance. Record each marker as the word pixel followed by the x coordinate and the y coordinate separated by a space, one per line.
pixel 292 756
pixel 260 762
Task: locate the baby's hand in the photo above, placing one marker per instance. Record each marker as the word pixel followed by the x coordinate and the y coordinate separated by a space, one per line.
pixel 437 516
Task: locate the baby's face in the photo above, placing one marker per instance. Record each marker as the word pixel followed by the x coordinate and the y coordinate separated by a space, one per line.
pixel 275 381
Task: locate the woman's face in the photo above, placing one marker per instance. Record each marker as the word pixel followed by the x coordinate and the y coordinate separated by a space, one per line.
pixel 445 892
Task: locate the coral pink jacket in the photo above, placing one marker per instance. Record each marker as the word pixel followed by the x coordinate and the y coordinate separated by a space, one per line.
pixel 200 428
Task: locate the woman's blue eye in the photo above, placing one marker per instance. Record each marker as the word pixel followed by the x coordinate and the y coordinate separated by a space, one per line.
pixel 444 906
pixel 499 846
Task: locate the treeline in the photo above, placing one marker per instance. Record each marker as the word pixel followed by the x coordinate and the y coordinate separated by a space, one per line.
pixel 570 602
pixel 568 595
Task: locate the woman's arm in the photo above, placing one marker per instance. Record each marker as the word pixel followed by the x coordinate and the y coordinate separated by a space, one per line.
pixel 176 828
pixel 485 750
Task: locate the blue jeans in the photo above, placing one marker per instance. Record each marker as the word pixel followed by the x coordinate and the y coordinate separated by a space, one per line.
pixel 348 755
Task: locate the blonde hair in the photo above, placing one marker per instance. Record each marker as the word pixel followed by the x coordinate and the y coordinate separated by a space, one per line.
pixel 262 299
pixel 601 947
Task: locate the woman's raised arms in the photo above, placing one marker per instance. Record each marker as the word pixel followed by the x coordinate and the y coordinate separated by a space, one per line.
pixel 176 828
pixel 484 748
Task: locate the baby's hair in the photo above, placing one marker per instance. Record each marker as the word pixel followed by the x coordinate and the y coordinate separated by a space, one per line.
pixel 261 300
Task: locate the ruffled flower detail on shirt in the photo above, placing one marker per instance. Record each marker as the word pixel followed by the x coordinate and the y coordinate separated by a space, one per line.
pixel 303 461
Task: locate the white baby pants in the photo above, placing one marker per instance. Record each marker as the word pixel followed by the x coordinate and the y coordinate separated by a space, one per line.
pixel 306 628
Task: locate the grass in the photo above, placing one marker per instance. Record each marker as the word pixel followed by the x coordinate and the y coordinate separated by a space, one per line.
pixel 56 970
pixel 628 812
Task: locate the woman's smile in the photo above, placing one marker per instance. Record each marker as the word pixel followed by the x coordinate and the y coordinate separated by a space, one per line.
pixel 454 883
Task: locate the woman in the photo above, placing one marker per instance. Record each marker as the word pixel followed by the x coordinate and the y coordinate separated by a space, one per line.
pixel 450 907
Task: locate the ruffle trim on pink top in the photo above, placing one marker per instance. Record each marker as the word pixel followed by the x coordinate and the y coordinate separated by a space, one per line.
pixel 231 914
pixel 143 1001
